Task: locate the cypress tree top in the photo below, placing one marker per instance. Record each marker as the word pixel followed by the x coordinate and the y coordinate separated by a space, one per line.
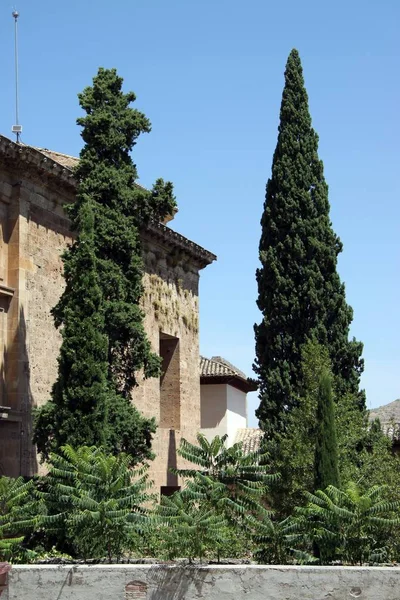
pixel 104 343
pixel 107 174
pixel 300 293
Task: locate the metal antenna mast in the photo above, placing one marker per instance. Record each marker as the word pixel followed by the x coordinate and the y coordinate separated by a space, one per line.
pixel 17 128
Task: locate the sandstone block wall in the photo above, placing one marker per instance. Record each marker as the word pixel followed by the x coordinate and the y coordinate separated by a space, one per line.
pixel 33 233
pixel 170 304
pixel 158 582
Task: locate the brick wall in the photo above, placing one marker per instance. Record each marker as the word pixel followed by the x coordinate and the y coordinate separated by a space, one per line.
pixel 170 385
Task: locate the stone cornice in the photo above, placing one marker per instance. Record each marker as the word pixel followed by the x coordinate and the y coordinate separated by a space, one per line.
pixel 35 163
pixel 175 240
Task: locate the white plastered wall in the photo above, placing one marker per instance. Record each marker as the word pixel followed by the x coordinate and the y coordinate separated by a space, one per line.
pixel 214 418
pixel 223 410
pixel 236 412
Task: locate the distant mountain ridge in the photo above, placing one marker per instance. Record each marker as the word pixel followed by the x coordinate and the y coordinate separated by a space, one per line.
pixel 389 416
pixel 387 412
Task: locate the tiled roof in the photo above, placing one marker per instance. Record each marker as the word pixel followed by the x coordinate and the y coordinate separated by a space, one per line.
pixel 43 163
pixel 250 438
pixel 217 368
pixel 65 160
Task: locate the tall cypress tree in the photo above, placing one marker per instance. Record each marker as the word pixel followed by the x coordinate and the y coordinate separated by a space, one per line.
pixel 107 174
pixel 77 412
pixel 104 343
pixel 326 471
pixel 300 293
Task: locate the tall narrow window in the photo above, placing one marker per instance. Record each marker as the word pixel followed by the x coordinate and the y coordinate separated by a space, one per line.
pixel 170 385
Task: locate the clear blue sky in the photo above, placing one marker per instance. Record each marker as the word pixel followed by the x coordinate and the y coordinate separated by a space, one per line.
pixel 209 75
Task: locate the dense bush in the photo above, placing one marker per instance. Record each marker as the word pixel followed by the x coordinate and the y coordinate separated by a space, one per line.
pixel 95 501
pixel 19 514
pixel 349 525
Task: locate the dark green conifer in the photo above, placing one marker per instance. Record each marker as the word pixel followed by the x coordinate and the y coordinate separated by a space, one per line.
pixel 104 343
pixel 77 413
pixel 107 174
pixel 326 471
pixel 300 293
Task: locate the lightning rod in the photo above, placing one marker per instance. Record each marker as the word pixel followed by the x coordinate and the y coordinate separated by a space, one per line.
pixel 17 128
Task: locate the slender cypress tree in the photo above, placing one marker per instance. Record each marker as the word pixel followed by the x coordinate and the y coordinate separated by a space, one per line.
pixel 300 293
pixel 77 412
pixel 326 471
pixel 104 343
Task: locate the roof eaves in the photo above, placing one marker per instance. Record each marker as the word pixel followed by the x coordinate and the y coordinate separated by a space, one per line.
pixel 44 160
pixel 215 371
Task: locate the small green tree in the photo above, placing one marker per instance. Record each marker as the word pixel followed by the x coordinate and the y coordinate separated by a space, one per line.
pixel 326 470
pixel 230 485
pixel 227 478
pixel 19 514
pixel 275 541
pixel 100 500
pixel 293 449
pixel 356 524
pixel 189 529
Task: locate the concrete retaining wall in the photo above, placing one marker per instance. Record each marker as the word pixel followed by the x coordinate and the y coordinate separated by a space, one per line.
pixel 161 582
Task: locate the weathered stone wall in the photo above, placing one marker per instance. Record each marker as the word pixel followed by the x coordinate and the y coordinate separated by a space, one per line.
pixel 170 304
pixel 34 232
pixel 157 582
pixel 47 237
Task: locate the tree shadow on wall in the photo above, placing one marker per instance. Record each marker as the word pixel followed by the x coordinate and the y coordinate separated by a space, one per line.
pixel 17 453
pixel 174 582
pixel 172 479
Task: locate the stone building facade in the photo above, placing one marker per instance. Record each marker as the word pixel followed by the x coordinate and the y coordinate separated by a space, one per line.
pixel 34 186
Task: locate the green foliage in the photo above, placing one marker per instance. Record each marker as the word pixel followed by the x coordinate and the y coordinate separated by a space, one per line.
pixel 99 500
pixel 160 541
pixel 104 344
pixel 300 293
pixel 40 554
pixel 326 470
pixel 80 396
pixel 292 450
pixel 365 452
pixel 218 509
pixel 190 529
pixel 107 174
pixel 228 480
pixel 19 514
pixel 220 505
pixel 350 525
pixel 275 540
pixel 229 466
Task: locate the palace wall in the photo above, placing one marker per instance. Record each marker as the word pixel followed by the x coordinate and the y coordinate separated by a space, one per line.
pixel 34 231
